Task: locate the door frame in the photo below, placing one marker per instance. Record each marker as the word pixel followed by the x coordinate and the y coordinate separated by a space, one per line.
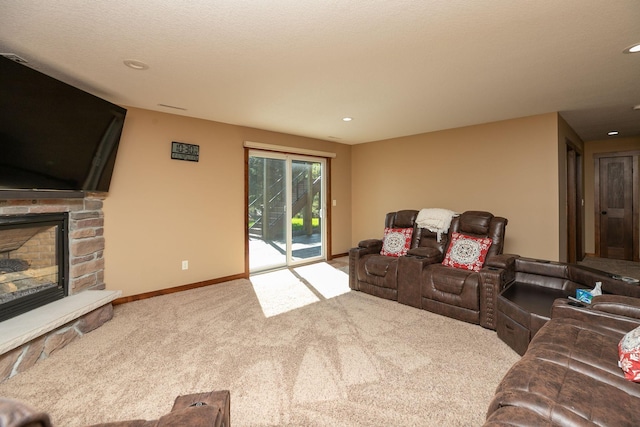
pixel 635 155
pixel 293 152
pixel 575 202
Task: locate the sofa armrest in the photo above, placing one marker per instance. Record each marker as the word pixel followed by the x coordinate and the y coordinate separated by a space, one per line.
pixel 492 281
pixel 16 413
pixel 365 247
pixel 606 314
pixel 504 261
pixel 410 279
pixel 374 245
pixel 617 304
pixel 427 254
pixel 497 273
pixel 204 416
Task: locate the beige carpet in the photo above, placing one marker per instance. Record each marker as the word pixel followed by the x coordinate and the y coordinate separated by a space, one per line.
pixel 292 353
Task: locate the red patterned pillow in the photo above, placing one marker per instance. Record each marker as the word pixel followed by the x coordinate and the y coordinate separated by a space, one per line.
pixel 629 355
pixel 396 241
pixel 467 252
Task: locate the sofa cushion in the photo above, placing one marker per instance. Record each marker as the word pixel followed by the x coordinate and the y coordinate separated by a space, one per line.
pixel 396 241
pixel 475 222
pixel 467 252
pixel 629 355
pixel 579 343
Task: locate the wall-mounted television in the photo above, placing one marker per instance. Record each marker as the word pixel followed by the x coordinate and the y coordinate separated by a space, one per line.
pixel 54 136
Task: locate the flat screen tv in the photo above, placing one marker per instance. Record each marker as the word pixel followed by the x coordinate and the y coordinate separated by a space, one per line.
pixel 54 136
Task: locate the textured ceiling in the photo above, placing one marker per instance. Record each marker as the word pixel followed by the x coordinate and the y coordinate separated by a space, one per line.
pixel 298 66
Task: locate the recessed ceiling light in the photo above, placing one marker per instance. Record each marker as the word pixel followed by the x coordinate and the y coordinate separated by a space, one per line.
pixel 636 107
pixel 135 64
pixel 347 119
pixel 612 133
pixel 632 49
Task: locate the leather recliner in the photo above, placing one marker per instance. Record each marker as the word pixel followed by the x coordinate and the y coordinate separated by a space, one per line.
pixel 195 410
pixel 376 274
pixel 456 292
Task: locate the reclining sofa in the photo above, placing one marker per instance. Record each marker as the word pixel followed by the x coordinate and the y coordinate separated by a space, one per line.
pixel 569 375
pixel 419 279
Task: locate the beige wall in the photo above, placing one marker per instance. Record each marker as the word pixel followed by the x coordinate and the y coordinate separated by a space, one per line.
pixel 161 211
pixel 596 147
pixel 509 168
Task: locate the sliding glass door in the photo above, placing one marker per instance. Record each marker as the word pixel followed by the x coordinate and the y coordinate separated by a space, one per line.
pixel 267 209
pixel 306 210
pixel 286 210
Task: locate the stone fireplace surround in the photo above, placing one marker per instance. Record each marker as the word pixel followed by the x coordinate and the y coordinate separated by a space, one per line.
pixel 34 335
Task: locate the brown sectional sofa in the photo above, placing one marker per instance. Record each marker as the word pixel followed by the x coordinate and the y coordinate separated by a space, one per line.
pixel 419 279
pixel 569 375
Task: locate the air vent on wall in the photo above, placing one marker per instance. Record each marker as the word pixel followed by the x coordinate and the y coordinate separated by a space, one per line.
pixel 14 58
pixel 172 106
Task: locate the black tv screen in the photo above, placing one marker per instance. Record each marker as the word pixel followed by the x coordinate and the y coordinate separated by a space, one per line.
pixel 54 136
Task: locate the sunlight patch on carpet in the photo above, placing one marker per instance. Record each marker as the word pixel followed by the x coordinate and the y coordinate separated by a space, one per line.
pixel 281 291
pixel 327 280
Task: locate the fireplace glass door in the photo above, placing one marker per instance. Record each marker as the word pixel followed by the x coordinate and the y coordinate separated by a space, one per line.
pixel 33 253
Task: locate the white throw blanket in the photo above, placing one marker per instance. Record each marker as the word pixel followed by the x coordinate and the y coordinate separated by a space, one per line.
pixel 435 220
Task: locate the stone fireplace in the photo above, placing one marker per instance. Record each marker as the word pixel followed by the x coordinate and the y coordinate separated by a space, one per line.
pixel 85 234
pixel 36 257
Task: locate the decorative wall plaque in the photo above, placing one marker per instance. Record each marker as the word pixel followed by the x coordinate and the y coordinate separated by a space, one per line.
pixel 182 151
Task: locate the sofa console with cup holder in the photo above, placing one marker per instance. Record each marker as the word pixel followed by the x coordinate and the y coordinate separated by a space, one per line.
pixel 525 303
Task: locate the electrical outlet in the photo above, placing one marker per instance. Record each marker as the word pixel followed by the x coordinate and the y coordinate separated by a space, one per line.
pixel 185 265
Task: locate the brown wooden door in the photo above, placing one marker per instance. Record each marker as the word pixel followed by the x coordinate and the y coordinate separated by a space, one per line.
pixel 616 207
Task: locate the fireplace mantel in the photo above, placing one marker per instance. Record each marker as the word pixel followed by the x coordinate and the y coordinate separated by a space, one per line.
pixel 40 194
